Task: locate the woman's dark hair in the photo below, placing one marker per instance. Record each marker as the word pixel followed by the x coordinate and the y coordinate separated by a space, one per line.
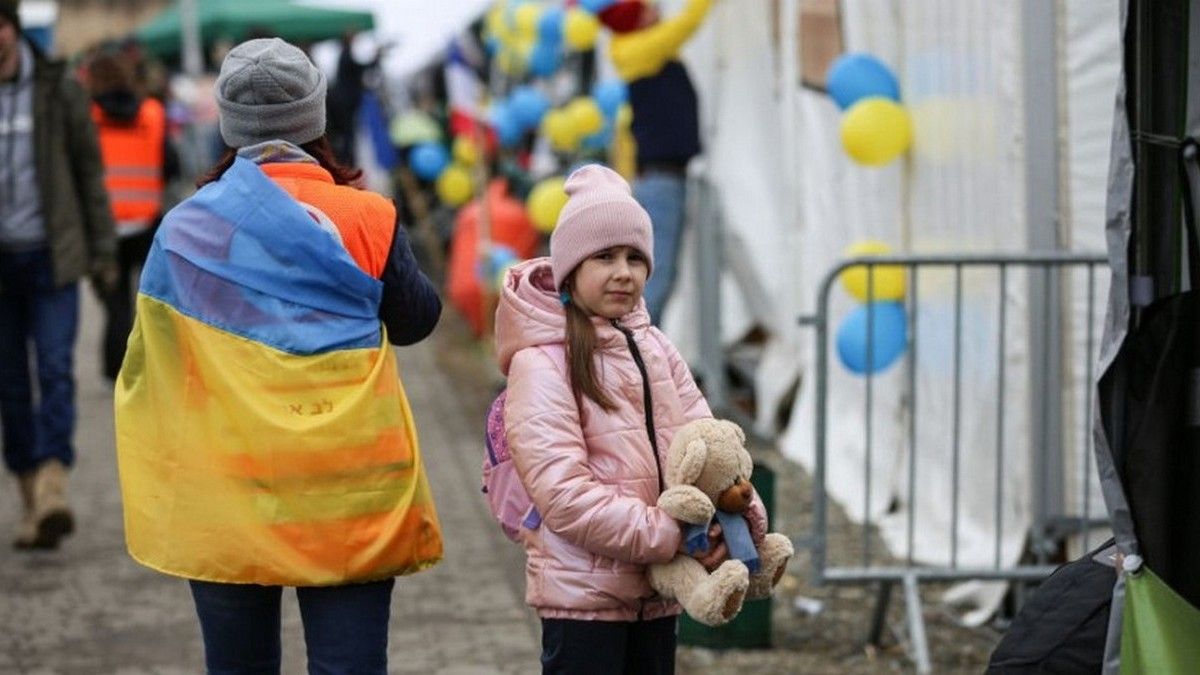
pixel 320 149
pixel 581 347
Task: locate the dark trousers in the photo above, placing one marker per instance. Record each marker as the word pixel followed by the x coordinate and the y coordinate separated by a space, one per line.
pixel 345 627
pixel 608 647
pixel 35 313
pixel 119 303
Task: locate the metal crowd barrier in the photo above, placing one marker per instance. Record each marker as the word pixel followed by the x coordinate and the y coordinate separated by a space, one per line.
pixel 1046 276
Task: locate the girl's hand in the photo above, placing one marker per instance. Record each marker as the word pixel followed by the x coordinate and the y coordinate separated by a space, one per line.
pixel 717 551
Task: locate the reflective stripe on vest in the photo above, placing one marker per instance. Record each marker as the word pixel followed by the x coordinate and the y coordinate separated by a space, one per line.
pixel 133 165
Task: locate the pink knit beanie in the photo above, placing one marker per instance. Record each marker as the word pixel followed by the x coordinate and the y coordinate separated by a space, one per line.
pixel 600 213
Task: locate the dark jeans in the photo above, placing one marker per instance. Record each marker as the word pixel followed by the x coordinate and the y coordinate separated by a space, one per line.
pixel 345 627
pixel 118 304
pixel 34 312
pixel 608 647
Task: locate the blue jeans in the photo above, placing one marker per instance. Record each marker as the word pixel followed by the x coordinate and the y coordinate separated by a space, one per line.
pixel 345 627
pixel 33 311
pixel 662 194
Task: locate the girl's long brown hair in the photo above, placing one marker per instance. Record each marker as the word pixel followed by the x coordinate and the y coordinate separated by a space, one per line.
pixel 581 348
pixel 320 149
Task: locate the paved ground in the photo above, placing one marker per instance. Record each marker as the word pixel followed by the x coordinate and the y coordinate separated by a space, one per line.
pixel 89 609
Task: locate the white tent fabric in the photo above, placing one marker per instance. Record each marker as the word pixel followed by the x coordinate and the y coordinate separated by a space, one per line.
pixel 419 29
pixel 960 189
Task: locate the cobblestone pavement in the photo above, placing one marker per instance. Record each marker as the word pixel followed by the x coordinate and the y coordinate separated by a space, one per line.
pixel 88 608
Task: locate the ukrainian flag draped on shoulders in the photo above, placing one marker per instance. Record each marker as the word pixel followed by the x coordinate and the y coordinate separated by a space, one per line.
pixel 263 434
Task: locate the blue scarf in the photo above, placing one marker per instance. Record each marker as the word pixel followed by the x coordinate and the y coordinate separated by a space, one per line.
pixel 736 532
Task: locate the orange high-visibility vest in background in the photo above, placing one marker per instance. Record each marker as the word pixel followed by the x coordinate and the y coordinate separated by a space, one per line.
pixel 133 165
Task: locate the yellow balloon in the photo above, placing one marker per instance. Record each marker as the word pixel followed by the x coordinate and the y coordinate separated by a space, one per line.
pixel 546 200
pixel 526 19
pixel 464 151
pixel 559 128
pixel 580 29
pixel 454 186
pixel 887 281
pixel 509 60
pixel 495 21
pixel 586 116
pixel 875 131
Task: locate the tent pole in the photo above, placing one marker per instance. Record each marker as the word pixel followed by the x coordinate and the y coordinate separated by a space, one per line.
pixel 189 22
pixel 1039 23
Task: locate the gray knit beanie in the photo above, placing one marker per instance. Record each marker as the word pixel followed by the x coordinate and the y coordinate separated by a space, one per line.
pixel 269 89
pixel 600 213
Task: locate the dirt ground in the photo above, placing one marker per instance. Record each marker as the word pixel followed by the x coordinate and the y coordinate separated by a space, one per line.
pixel 829 642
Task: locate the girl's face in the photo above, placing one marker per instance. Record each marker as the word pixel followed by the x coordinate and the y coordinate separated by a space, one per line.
pixel 609 283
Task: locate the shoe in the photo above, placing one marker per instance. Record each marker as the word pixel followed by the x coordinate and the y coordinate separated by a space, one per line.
pixel 50 518
pixel 27 530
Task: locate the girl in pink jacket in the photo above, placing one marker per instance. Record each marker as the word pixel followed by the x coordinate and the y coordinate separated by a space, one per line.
pixel 595 394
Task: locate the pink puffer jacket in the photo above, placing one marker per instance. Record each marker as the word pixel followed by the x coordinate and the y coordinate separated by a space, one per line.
pixel 592 474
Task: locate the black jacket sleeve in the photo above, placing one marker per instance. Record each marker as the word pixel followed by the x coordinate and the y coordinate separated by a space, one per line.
pixel 410 306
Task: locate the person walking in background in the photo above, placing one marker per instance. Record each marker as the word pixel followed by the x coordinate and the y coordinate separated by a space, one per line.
pixel 55 227
pixel 139 162
pixel 345 97
pixel 595 395
pixel 263 436
pixel 666 126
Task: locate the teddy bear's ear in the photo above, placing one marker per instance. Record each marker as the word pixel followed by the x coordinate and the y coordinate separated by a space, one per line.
pixel 691 463
pixel 745 463
pixel 736 430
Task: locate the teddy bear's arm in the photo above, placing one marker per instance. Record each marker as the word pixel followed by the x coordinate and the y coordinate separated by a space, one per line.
pixel 687 503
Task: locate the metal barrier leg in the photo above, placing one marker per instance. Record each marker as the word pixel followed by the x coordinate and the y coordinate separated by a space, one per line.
pixel 879 616
pixel 918 647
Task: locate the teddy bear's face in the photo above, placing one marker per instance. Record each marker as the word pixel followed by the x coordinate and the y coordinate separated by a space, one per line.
pixel 712 456
pixel 736 497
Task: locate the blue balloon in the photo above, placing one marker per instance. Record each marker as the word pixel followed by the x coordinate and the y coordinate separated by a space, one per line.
pixel 889 331
pixel 596 6
pixel 855 76
pixel 599 140
pixel 499 257
pixel 544 59
pixel 427 160
pixel 508 130
pixel 527 105
pixel 609 95
pixel 550 26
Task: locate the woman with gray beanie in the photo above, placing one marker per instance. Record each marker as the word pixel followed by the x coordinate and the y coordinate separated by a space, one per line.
pixel 263 437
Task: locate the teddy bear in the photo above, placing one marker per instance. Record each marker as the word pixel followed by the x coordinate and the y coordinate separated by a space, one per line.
pixel 707 474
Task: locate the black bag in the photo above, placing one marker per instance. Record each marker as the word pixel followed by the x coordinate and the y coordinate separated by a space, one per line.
pixel 1064 623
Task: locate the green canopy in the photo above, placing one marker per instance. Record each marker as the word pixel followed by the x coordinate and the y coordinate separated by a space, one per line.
pixel 236 19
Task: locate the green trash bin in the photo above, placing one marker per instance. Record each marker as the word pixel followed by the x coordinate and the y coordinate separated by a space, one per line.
pixel 752 626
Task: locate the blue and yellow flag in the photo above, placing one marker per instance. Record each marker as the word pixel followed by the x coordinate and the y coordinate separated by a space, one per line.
pixel 263 435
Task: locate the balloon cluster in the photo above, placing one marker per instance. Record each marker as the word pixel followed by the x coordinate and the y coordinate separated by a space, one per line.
pixel 530 37
pixel 588 122
pixel 876 129
pixel 881 316
pixel 450 170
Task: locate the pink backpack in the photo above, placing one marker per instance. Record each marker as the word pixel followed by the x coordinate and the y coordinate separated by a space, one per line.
pixel 506 496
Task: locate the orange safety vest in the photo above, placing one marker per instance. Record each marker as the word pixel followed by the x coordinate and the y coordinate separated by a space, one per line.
pixel 133 165
pixel 365 221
